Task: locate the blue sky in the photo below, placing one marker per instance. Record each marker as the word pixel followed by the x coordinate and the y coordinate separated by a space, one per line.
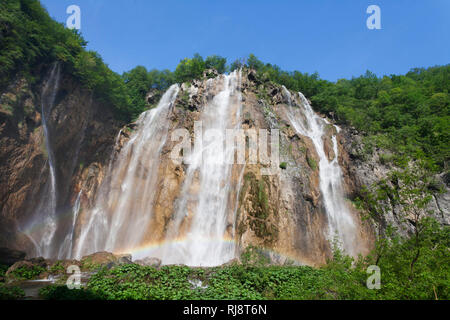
pixel 327 36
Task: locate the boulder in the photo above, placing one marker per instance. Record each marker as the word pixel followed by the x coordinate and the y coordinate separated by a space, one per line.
pixel 99 258
pixel 124 259
pixel 9 256
pixel 149 262
pixel 107 259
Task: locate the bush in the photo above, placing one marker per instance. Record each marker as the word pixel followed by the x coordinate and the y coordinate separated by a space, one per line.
pixel 27 272
pixel 58 292
pixel 10 293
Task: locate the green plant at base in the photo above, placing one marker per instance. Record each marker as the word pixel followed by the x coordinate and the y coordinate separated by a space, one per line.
pixel 27 272
pixel 10 293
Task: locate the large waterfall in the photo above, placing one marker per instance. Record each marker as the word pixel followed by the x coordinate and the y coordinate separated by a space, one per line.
pixel 123 208
pixel 207 200
pixel 205 197
pixel 45 212
pixel 197 226
pixel 307 123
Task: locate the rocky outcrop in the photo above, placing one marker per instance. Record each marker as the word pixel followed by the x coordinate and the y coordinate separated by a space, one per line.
pixel 105 259
pixel 9 257
pixel 284 213
pixel 149 262
pixel 365 167
pixel 83 132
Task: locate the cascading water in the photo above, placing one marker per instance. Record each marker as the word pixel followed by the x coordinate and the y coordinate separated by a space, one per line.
pixel 45 213
pixel 205 196
pixel 124 205
pixel 340 221
pixel 66 248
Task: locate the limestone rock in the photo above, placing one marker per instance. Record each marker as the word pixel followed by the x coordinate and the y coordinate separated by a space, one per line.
pixel 149 262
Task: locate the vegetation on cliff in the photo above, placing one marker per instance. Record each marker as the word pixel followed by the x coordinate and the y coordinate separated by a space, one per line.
pixel 406 113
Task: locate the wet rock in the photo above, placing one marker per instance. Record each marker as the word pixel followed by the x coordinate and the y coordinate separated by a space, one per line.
pixel 9 256
pixel 149 262
pixel 104 258
pixel 124 259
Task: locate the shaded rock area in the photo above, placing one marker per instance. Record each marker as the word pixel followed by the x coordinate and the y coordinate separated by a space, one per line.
pixel 84 131
pixel 8 256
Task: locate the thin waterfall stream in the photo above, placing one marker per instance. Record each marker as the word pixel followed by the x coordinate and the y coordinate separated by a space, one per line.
pixel 45 212
pixel 340 221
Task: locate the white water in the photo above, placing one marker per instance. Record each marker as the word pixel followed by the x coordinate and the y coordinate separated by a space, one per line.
pixel 340 221
pixel 65 251
pixel 124 205
pixel 42 228
pixel 205 196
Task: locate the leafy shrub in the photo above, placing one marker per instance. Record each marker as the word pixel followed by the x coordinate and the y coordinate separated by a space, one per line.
pixel 61 292
pixel 27 272
pixel 10 293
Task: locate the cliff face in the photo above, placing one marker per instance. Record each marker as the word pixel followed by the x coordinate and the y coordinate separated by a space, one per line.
pixel 284 213
pixel 119 183
pixel 366 169
pixel 81 132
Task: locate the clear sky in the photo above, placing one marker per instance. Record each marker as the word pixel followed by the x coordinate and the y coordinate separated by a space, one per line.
pixel 327 36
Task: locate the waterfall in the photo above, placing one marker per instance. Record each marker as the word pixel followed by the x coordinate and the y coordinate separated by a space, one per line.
pixel 340 221
pixel 43 226
pixel 205 196
pixel 124 205
pixel 65 251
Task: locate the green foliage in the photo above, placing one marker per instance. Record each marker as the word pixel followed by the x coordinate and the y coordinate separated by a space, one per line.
pixel 216 62
pixel 283 165
pixel 27 272
pixel 189 69
pixel 31 41
pixel 341 278
pixel 254 256
pixel 61 292
pixel 312 163
pixel 10 293
pixel 410 113
pixel 139 82
pixel 3 270
pixel 57 268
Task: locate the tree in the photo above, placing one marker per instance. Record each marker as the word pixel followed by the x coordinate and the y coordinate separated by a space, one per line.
pixel 216 62
pixel 189 69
